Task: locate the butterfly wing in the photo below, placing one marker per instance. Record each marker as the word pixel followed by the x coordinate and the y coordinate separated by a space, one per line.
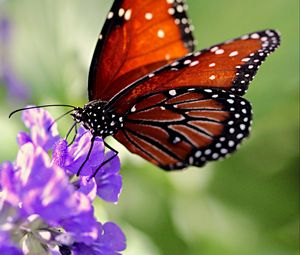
pixel 185 126
pixel 230 66
pixel 138 37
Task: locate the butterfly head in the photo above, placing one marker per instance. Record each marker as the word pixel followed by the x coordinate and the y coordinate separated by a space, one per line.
pixel 97 119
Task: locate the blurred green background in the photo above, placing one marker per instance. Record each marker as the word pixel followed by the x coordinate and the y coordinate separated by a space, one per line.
pixel 247 204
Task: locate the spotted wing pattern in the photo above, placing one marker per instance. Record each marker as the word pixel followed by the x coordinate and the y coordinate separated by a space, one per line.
pixel 230 65
pixel 139 36
pixel 186 126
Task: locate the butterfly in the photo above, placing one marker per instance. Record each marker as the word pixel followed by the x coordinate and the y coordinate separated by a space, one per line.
pixel 171 105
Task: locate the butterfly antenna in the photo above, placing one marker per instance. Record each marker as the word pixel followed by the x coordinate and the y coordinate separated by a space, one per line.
pixel 58 118
pixel 40 106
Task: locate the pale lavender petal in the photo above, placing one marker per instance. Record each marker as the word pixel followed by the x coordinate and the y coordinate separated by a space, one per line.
pixel 110 242
pixel 15 86
pixel 43 132
pixel 111 167
pixel 8 180
pixel 10 250
pixel 83 226
pixel 112 237
pixel 78 152
pixel 80 132
pixel 6 247
pixel 88 187
pixel 53 252
pixel 83 249
pixel 108 179
pixel 45 189
pixel 4 30
pixel 109 189
pixel 23 138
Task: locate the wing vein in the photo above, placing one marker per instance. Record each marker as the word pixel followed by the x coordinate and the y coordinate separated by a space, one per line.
pixel 154 143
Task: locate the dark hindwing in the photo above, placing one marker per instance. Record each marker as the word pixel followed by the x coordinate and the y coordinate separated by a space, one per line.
pixel 138 37
pixel 186 126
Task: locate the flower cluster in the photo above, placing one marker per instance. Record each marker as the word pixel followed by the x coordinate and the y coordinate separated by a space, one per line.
pixel 44 207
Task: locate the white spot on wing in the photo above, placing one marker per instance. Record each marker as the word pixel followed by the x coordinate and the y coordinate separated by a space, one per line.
pixel 214 49
pixel 160 33
pixel 194 63
pixel 110 15
pixel 121 12
pixel 148 16
pixel 220 51
pixel 233 54
pixel 127 15
pixel 187 62
pixel 133 109
pixel 172 92
pixel 255 36
pixel 171 11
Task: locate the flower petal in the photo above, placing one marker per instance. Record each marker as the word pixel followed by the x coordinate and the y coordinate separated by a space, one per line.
pixel 23 138
pixel 110 242
pixel 10 250
pixel 109 189
pixel 88 187
pixel 43 132
pixel 83 226
pixel 108 179
pixel 45 189
pixel 78 152
pixel 8 183
pixel 112 237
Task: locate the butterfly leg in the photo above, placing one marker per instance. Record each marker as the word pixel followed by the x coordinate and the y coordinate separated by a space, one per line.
pixel 88 155
pixel 69 132
pixel 106 161
pixel 75 134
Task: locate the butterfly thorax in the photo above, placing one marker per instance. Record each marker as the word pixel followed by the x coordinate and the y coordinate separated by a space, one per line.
pixel 97 119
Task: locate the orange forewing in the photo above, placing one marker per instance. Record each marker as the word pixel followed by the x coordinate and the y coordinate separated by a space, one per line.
pixel 139 36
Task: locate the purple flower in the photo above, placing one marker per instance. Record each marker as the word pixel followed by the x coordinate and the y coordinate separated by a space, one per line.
pixel 37 197
pixel 40 188
pixel 78 151
pixel 8 249
pixel 111 241
pixel 108 179
pixel 42 130
pixel 4 30
pixel 70 158
pixel 16 88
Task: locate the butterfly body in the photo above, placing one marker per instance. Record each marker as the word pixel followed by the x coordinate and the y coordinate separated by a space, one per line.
pixel 172 106
pixel 97 119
